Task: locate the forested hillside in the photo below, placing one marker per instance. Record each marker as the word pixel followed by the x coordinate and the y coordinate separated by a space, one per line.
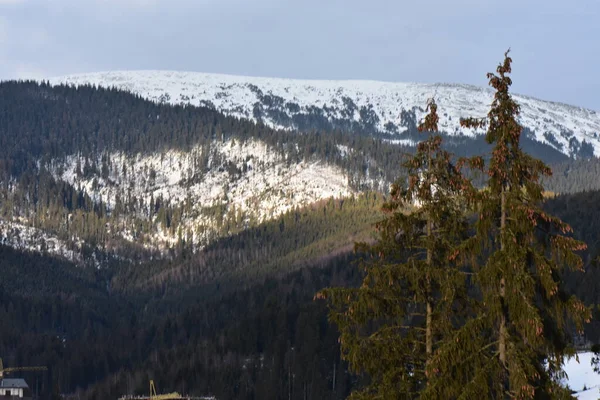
pixel 107 332
pixel 42 122
pixel 138 180
pixel 93 171
pixel 148 241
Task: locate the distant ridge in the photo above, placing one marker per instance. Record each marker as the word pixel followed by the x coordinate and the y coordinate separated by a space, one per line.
pixel 380 107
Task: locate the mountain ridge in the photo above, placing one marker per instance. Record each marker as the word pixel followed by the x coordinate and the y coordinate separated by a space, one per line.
pixel 385 108
pixel 309 80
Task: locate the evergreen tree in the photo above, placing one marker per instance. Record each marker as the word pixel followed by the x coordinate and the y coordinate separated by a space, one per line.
pixel 528 319
pixel 414 291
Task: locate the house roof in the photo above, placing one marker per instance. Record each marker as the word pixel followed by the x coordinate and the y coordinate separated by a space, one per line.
pixel 13 383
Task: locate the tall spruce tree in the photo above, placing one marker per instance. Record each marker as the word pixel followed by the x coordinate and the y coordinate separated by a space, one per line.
pixel 524 333
pixel 413 292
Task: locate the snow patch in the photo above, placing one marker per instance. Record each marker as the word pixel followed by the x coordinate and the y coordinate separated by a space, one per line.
pixel 23 237
pixel 402 142
pixel 344 150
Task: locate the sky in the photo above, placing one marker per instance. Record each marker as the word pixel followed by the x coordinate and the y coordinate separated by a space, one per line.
pixel 555 44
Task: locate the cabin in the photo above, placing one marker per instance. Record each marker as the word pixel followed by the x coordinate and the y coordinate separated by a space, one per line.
pixel 12 389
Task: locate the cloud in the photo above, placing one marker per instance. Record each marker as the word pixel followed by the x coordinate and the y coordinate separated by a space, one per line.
pixel 3 31
pixel 11 2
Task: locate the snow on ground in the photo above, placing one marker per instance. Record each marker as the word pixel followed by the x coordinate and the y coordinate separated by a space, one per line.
pixel 582 375
pixel 403 142
pixel 237 95
pixel 23 237
pixel 247 180
pixel 343 149
pixel 590 394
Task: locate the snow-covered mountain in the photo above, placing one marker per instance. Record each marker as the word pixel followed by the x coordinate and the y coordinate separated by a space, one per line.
pixel 157 200
pixel 220 187
pixel 382 107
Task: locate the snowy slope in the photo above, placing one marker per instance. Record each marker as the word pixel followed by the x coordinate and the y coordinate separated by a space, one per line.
pixel 243 181
pixel 581 375
pixel 286 103
pixel 219 189
pixel 24 237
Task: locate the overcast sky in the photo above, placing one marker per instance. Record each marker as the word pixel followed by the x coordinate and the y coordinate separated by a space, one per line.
pixel 556 44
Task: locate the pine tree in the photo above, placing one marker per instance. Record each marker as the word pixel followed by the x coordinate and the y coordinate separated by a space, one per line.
pixel 528 317
pixel 414 287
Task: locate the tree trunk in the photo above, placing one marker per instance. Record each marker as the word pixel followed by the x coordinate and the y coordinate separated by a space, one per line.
pixel 502 331
pixel 429 310
pixel 334 374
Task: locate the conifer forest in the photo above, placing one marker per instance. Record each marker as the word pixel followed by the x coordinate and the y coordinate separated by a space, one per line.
pixel 239 258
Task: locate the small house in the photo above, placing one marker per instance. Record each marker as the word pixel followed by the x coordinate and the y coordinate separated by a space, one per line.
pixel 14 389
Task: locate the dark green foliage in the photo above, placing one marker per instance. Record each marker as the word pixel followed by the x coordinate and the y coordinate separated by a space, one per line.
pixel 422 324
pixel 122 326
pixel 21 274
pixel 414 287
pixel 267 341
pixel 528 316
pixel 581 212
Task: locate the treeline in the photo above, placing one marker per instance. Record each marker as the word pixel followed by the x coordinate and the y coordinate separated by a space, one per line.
pixel 572 176
pixel 41 125
pixel 269 341
pixel 580 210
